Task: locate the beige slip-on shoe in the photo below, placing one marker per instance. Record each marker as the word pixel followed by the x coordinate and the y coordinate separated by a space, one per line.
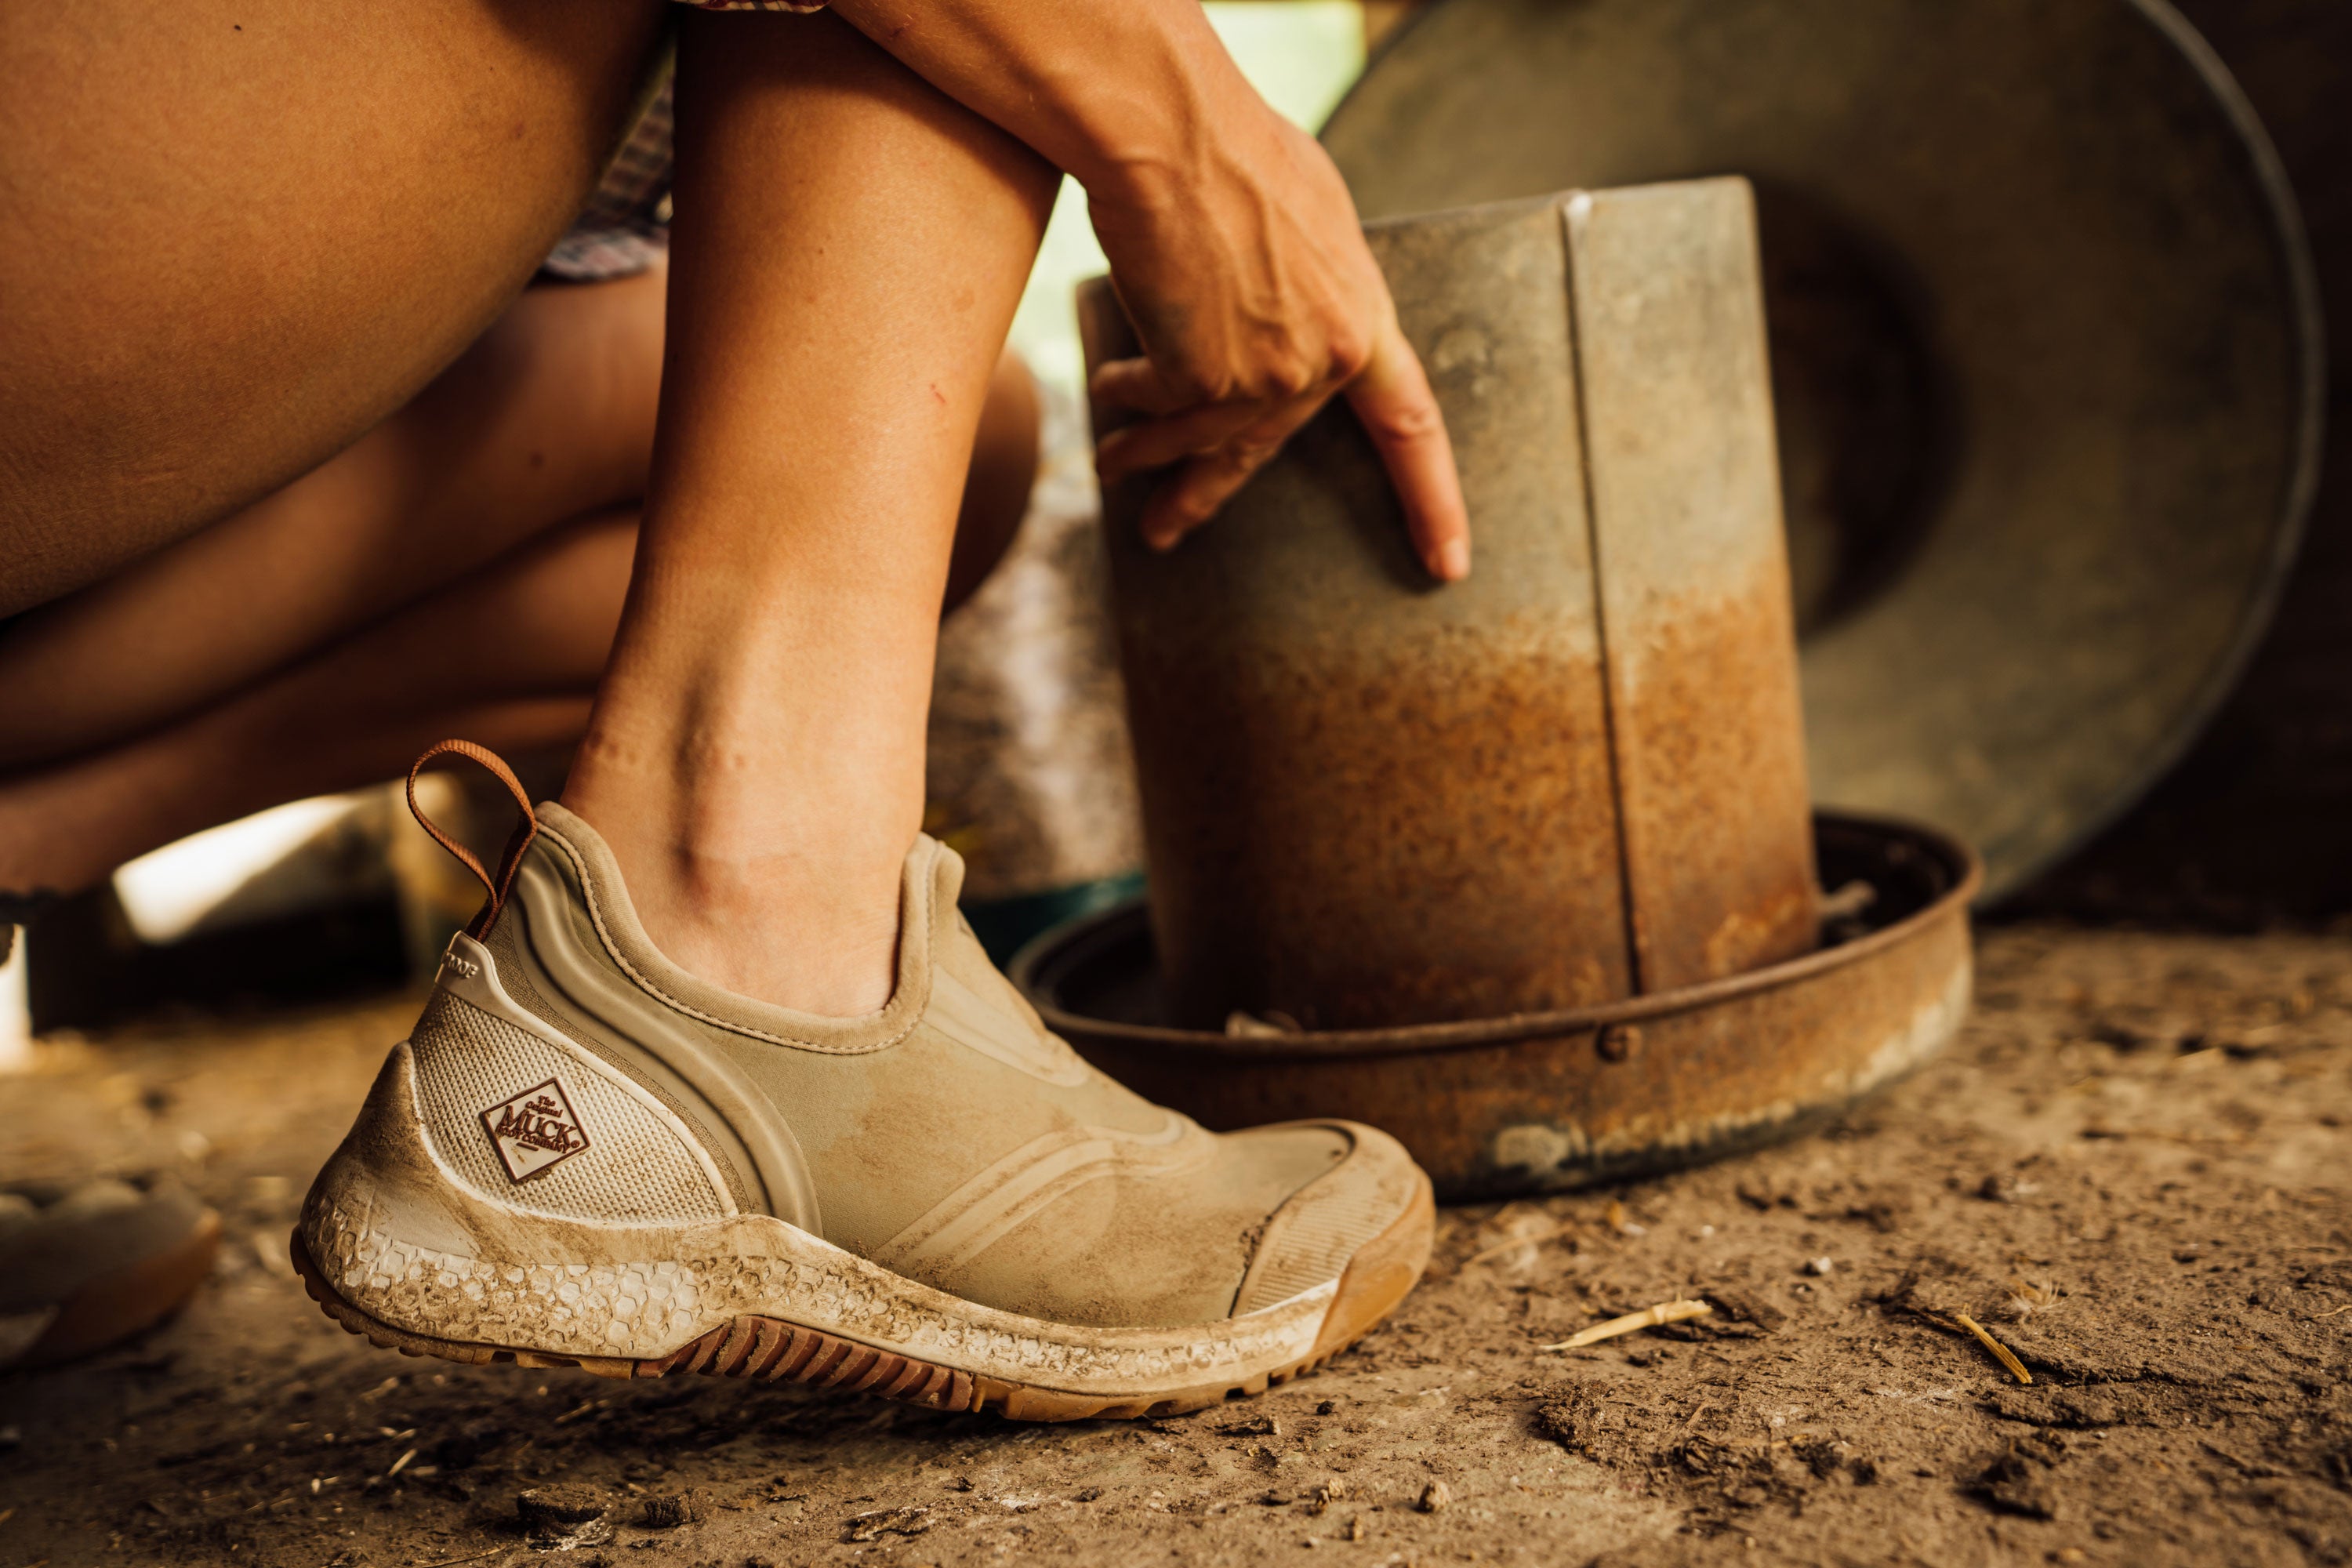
pixel 583 1155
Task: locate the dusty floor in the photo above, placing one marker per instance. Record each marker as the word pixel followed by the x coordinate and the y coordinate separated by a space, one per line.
pixel 2133 1169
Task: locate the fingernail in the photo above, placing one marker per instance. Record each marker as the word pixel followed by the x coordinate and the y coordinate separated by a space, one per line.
pixel 1453 559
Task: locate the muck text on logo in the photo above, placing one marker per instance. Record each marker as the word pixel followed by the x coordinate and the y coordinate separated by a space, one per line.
pixel 534 1131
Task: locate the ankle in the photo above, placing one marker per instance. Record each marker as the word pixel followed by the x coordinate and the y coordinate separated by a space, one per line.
pixel 793 916
pixel 822 940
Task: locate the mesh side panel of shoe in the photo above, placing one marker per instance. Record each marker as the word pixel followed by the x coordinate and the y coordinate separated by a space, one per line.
pixel 1315 1245
pixel 515 976
pixel 633 1166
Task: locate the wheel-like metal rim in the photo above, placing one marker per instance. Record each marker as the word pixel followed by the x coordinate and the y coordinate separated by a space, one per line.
pixel 1065 947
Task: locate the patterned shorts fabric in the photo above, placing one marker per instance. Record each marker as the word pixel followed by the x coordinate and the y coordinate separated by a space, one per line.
pixel 624 228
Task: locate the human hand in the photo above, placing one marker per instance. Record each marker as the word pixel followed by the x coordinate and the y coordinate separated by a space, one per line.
pixel 1256 299
pixel 1233 243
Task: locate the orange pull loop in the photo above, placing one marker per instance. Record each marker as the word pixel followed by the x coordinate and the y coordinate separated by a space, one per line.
pixel 525 831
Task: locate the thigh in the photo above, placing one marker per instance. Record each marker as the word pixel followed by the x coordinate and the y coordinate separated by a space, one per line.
pixel 548 415
pixel 237 233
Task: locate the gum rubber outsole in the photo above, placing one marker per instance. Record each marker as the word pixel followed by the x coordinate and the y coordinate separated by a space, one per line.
pixel 1377 1278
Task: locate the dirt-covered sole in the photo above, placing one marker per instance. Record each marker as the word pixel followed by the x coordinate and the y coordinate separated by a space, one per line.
pixel 1382 1270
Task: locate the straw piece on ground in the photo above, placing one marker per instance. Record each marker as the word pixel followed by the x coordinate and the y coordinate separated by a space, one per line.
pixel 1632 1324
pixel 2000 1351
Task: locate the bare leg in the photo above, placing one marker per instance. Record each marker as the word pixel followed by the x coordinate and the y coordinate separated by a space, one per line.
pixel 510 655
pixel 548 418
pixel 849 250
pixel 549 415
pixel 241 232
pixel 996 486
pixel 853 295
pixel 523 639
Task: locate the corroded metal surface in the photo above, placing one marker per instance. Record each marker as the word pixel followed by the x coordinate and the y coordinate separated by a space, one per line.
pixel 1369 800
pixel 2045 351
pixel 1559 1099
pixel 1699 648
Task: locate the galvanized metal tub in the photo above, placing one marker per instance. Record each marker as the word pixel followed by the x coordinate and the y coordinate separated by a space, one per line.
pixel 1370 801
pixel 1542 1101
pixel 2047 351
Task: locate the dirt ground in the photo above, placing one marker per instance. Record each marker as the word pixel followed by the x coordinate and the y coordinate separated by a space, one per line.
pixel 2132 1170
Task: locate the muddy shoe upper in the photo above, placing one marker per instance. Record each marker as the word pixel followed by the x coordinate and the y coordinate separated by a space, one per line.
pixel 582 1150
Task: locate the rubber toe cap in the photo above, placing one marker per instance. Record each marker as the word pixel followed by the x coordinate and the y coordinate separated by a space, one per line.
pixel 1314 1237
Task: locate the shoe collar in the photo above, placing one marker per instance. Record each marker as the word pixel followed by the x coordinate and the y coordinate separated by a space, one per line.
pixel 928 882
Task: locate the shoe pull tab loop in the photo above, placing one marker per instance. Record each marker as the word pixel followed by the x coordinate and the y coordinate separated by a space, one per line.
pixel 525 831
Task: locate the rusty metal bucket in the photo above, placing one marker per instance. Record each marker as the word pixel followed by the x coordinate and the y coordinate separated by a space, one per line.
pixel 2046 348
pixel 1551 1100
pixel 1578 777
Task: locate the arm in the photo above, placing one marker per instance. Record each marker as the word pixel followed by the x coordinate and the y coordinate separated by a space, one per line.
pixel 1231 239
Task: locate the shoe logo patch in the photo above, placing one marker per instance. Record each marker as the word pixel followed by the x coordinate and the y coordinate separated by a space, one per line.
pixel 534 1132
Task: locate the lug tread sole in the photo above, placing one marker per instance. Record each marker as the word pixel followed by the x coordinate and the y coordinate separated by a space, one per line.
pixel 772 1349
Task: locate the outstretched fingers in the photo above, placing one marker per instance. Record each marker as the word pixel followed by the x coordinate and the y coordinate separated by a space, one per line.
pixel 1215 448
pixel 1399 412
pixel 1195 492
pixel 1142 387
pixel 1156 443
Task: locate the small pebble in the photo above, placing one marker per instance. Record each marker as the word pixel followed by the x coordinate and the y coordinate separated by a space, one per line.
pixel 1436 1497
pixel 1819 1265
pixel 1327 1494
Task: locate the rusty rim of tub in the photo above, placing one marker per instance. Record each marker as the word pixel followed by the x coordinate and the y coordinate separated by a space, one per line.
pixel 1942 872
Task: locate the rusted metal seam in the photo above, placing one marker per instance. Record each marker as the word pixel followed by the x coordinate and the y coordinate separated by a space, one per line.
pixel 1599 608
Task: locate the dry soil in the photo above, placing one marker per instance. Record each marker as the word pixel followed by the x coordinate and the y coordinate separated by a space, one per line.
pixel 2132 1170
